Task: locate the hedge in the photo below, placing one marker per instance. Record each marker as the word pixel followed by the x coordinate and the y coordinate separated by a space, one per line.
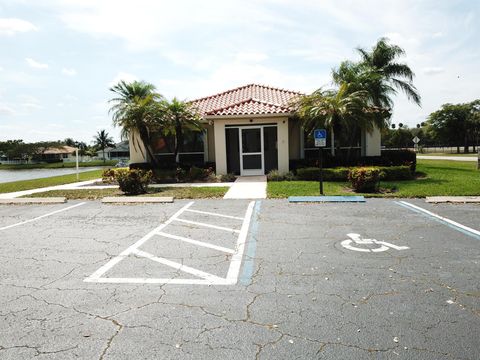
pixel 341 173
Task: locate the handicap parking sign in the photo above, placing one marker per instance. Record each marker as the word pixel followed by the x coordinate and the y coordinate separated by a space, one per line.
pixel 320 136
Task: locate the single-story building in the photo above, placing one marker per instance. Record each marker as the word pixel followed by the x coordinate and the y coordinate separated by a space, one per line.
pixel 250 130
pixel 54 154
pixel 121 151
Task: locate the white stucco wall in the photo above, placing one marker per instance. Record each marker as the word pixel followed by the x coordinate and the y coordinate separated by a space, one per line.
pixel 220 145
pixel 373 143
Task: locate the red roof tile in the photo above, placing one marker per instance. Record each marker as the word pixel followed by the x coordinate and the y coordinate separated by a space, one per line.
pixel 250 99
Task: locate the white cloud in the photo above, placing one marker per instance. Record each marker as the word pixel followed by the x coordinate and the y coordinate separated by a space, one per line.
pixel 11 26
pixel 127 77
pixel 35 64
pixel 433 70
pixel 6 110
pixel 69 71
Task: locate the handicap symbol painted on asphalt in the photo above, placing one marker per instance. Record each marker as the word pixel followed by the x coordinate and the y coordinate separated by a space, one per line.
pixel 356 239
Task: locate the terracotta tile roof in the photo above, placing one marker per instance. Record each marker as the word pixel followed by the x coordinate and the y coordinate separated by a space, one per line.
pixel 250 99
pixel 59 150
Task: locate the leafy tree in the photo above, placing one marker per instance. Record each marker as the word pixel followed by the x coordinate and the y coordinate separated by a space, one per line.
pixel 103 140
pixel 173 118
pixel 381 75
pixel 337 110
pixel 132 110
pixel 455 124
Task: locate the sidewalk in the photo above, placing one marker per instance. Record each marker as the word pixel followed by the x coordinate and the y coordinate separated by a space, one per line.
pixel 453 158
pixel 72 186
pixel 248 187
pixel 88 185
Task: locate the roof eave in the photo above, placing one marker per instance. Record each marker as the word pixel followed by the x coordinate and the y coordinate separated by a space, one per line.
pixel 247 116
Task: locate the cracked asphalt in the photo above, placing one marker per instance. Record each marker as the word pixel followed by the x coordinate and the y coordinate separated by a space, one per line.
pixel 300 294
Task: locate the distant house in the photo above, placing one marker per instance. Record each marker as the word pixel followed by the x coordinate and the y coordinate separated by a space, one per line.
pixel 121 151
pixel 56 154
pixel 251 130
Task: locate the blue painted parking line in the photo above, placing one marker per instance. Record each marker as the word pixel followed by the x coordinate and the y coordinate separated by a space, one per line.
pixel 249 263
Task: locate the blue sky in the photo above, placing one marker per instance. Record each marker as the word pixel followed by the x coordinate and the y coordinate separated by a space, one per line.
pixel 59 58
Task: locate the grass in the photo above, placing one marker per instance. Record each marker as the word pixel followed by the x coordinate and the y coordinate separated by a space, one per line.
pixel 442 177
pixel 50 181
pixel 57 165
pixel 176 192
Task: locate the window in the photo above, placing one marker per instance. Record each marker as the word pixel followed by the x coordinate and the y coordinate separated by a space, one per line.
pixel 190 152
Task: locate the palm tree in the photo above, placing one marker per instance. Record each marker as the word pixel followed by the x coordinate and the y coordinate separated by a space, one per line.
pixel 103 140
pixel 337 110
pixel 132 109
pixel 173 118
pixel 380 74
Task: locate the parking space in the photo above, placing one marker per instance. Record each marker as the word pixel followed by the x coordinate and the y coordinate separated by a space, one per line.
pixel 239 280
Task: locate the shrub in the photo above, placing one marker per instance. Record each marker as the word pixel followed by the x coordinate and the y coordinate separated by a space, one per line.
pixel 133 181
pixel 141 166
pixel 108 175
pixel 290 176
pixel 313 173
pixel 364 179
pixel 396 173
pixel 230 177
pixel 274 175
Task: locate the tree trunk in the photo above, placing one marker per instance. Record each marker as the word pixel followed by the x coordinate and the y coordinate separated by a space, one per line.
pixel 178 141
pixel 466 148
pixel 332 140
pixel 103 151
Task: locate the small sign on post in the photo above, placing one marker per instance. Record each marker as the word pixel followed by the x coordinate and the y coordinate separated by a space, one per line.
pixel 320 136
pixel 416 140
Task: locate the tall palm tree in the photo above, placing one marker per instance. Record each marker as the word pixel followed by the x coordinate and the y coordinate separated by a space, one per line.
pixel 382 59
pixel 339 110
pixel 379 74
pixel 103 140
pixel 173 118
pixel 131 111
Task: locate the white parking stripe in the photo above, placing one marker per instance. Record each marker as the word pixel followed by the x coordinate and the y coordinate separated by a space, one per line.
pixel 441 218
pixel 205 278
pixel 177 265
pixel 208 225
pixel 215 214
pixel 196 242
pixel 233 271
pixel 97 274
pixel 41 217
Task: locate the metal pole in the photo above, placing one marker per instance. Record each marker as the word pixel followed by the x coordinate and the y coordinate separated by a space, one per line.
pixel 76 154
pixel 478 158
pixel 320 164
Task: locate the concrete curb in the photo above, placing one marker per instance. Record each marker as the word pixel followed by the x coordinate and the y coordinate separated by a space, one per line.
pixel 47 200
pixel 136 200
pixel 453 199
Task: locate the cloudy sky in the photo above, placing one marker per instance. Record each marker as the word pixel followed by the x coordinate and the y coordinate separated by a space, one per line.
pixel 59 58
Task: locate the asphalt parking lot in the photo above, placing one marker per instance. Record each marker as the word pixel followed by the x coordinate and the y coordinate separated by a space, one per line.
pixel 233 279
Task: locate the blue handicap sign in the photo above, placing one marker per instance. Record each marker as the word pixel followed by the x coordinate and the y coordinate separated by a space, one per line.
pixel 320 134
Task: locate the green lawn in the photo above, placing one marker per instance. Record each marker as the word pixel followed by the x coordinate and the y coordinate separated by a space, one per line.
pixel 50 181
pixel 176 192
pixel 58 165
pixel 442 177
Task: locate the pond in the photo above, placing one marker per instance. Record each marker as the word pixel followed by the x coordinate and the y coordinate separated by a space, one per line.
pixel 29 174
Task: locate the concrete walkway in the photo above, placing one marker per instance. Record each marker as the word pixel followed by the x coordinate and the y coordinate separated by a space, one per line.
pixel 248 187
pixel 72 186
pixel 453 158
pixel 89 185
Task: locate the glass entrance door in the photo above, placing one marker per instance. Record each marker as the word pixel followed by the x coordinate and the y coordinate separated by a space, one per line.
pixel 251 150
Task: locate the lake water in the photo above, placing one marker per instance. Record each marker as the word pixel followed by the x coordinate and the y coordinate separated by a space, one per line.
pixel 16 175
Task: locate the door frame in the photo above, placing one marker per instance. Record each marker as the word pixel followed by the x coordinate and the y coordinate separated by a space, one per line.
pixel 251 172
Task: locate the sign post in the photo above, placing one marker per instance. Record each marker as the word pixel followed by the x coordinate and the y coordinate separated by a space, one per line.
pixel 416 140
pixel 320 136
